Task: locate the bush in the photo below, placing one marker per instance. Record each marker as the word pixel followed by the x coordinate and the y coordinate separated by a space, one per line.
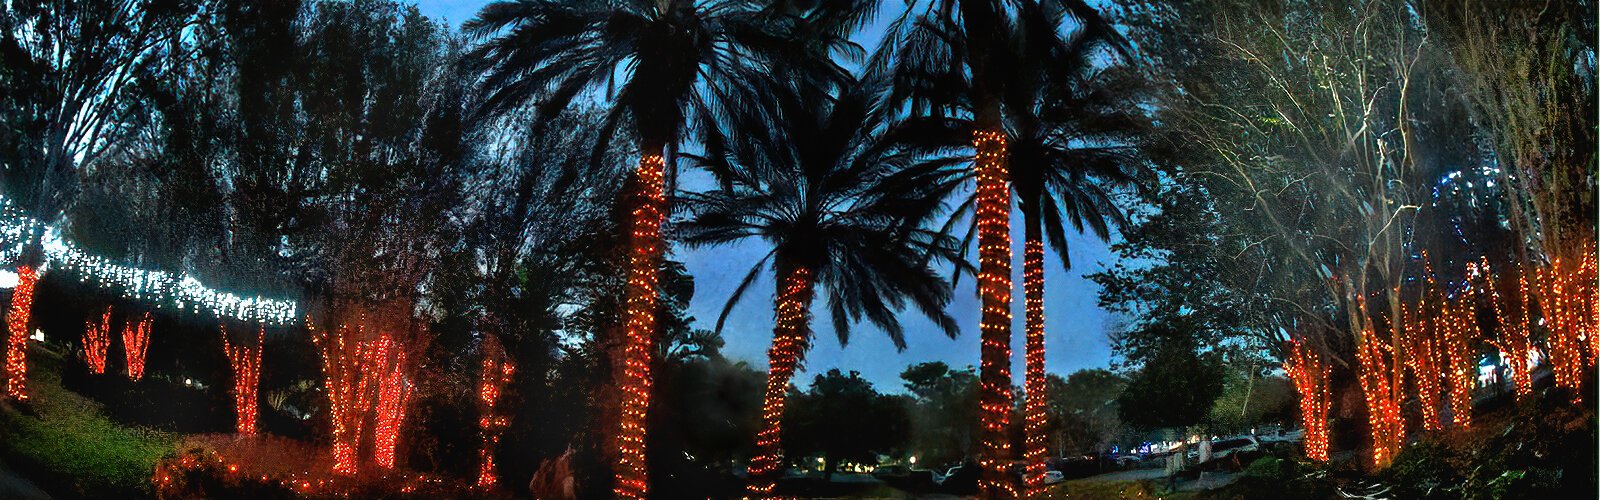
pixel 1538 448
pixel 1270 467
pixel 1424 470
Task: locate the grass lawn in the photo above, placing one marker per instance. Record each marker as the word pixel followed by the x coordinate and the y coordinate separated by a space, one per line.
pixel 66 445
pixel 1115 489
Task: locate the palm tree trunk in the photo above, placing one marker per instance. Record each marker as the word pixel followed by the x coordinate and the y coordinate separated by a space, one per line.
pixel 632 477
pixel 789 342
pixel 1035 446
pixel 17 334
pixel 993 216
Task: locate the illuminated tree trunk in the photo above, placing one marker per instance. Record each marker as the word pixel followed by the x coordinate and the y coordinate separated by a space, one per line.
pixel 1421 342
pixel 789 342
pixel 1309 374
pixel 993 216
pixel 632 477
pixel 1514 342
pixel 246 363
pixel 385 360
pixel 1460 329
pixel 346 390
pixel 1563 295
pixel 97 341
pixel 135 341
pixel 1383 411
pixel 17 333
pixel 497 371
pixel 365 380
pixel 1036 404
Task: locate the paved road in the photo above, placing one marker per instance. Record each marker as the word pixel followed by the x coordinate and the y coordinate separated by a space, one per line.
pixel 15 487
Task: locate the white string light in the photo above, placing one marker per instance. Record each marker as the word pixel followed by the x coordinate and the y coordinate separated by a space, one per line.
pixel 185 292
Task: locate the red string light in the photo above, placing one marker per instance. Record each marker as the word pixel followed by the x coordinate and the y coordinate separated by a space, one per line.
pixel 246 363
pixel 1422 342
pixel 1309 374
pixel 1035 446
pixel 347 400
pixel 97 340
pixel 1514 321
pixel 993 216
pixel 385 360
pixel 1460 324
pixel 135 341
pixel 1383 411
pixel 789 343
pixel 17 334
pixel 1562 290
pixel 497 371
pixel 632 476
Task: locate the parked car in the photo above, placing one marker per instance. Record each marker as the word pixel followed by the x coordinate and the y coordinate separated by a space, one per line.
pixel 1233 452
pixel 961 479
pixel 1129 461
pixel 889 471
pixel 1053 477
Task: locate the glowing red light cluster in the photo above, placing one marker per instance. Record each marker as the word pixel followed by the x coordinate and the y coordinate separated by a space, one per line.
pixel 17 333
pixel 135 341
pixel 1309 374
pixel 97 341
pixel 1383 409
pixel 1515 324
pixel 384 360
pixel 1036 406
pixel 993 216
pixel 346 390
pixel 364 379
pixel 632 476
pixel 497 371
pixel 246 363
pixel 789 343
pixel 1567 299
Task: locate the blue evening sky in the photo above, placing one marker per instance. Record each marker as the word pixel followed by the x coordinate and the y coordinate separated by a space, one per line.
pixel 1075 326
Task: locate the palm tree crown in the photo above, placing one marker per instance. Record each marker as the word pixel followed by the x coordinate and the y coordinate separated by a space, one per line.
pixel 808 191
pixel 660 64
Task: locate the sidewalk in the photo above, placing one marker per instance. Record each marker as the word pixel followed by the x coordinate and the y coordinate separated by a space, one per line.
pixel 15 487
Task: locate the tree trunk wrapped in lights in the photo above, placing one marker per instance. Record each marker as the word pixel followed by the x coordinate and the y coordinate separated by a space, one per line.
pixel 1383 411
pixel 245 360
pixel 1036 405
pixel 790 338
pixel 497 371
pixel 1422 347
pixel 365 378
pixel 135 341
pixel 1459 325
pixel 1564 293
pixel 1514 321
pixel 993 216
pixel 634 382
pixel 97 341
pixel 346 389
pixel 1309 374
pixel 1588 311
pixel 17 333
pixel 384 360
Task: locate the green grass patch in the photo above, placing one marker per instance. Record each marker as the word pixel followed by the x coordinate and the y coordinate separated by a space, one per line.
pixel 65 443
pixel 1115 489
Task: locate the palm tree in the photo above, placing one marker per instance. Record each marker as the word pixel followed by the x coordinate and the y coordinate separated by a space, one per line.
pixel 805 189
pixel 661 67
pixel 1040 117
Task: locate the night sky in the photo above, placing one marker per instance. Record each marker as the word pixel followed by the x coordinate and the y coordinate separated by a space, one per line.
pixel 1075 327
